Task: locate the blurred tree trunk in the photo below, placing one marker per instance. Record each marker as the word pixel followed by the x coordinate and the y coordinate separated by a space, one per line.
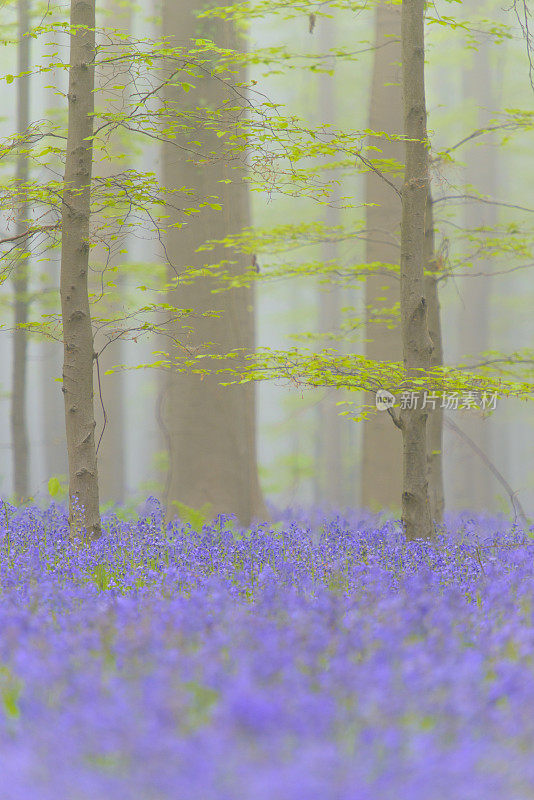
pixel 84 514
pixel 211 428
pixel 435 416
pixel 416 341
pixel 112 450
pixel 382 453
pixel 330 468
pixel 472 486
pixel 55 448
pixel 50 351
pixel 19 426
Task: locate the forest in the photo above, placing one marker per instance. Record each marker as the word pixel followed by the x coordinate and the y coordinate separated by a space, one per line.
pixel 267 496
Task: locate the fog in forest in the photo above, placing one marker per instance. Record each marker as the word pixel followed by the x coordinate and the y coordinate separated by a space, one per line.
pixel 184 438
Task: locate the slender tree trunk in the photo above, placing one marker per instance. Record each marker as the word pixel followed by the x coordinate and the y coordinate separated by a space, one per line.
pixel 50 351
pixel 84 517
pixel 330 435
pixel 212 428
pixel 382 452
pixel 19 427
pixel 55 450
pixel 417 345
pixel 435 417
pixel 472 486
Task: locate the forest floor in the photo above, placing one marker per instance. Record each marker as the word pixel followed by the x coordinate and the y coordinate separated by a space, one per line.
pixel 319 658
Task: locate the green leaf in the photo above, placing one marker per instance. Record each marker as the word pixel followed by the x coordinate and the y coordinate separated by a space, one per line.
pixel 195 517
pixel 10 691
pixel 54 487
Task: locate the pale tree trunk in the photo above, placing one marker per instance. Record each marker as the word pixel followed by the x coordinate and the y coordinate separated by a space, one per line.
pixel 55 456
pixel 19 427
pixel 211 428
pixel 435 416
pixel 417 345
pixel 472 486
pixel 84 516
pixel 112 450
pixel 330 436
pixel 50 351
pixel 382 452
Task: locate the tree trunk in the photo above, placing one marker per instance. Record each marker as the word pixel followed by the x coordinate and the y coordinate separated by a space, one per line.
pixel 382 452
pixel 55 450
pixel 435 417
pixel 50 351
pixel 84 516
pixel 212 428
pixel 472 487
pixel 330 450
pixel 19 428
pixel 417 345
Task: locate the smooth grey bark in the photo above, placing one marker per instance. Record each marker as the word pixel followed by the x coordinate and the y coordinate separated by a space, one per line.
pixel 435 417
pixel 84 514
pixel 382 445
pixel 211 428
pixel 19 426
pixel 416 341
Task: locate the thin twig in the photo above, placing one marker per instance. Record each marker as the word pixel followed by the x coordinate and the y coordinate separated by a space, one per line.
pixel 516 505
pixel 101 402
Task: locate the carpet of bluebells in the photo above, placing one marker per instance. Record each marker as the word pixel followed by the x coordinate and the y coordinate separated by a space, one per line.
pixel 320 657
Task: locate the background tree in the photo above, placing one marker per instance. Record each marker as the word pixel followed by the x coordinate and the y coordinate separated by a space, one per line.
pixel 211 428
pixel 330 433
pixel 19 427
pixel 435 421
pixel 53 89
pixel 382 444
pixel 472 489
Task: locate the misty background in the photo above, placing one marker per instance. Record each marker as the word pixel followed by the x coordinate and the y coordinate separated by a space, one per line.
pixel 309 454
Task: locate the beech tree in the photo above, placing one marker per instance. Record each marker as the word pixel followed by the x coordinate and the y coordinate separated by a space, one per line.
pixel 19 427
pixel 53 85
pixel 416 342
pixel 331 440
pixel 211 428
pixel 481 172
pixel 84 513
pixel 434 433
pixel 382 445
